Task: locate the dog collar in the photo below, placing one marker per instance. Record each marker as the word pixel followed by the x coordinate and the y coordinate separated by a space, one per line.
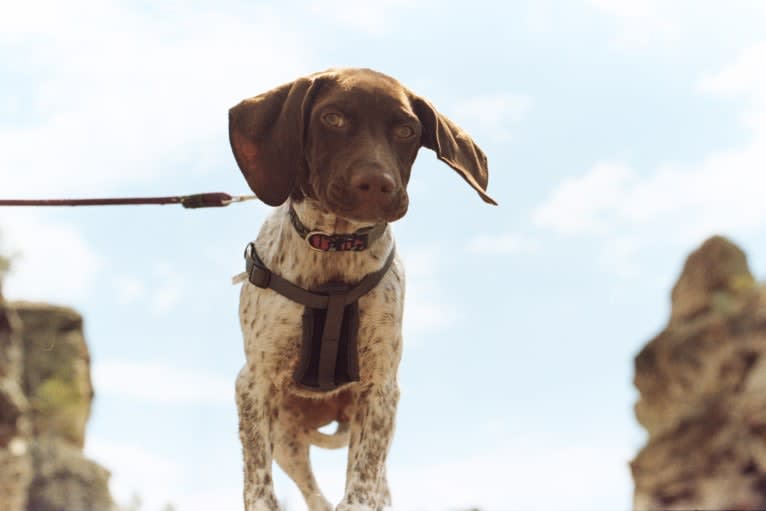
pixel 321 241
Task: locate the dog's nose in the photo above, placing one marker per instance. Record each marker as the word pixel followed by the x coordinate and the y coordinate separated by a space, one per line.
pixel 373 183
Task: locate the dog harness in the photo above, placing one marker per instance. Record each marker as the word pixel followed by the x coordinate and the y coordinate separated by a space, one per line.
pixel 329 356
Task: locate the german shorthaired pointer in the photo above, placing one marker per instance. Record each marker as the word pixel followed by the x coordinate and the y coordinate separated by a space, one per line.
pixel 321 314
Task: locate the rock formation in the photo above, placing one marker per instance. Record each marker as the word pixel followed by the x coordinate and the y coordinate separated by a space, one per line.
pixel 702 384
pixel 56 371
pixel 45 398
pixel 58 386
pixel 15 465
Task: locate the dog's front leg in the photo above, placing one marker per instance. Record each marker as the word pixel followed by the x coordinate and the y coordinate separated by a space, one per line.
pixel 372 428
pixel 256 402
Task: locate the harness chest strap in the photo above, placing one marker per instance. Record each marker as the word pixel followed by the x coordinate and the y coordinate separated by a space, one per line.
pixel 335 301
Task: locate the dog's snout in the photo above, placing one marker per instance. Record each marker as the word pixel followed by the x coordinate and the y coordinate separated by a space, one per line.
pixel 373 183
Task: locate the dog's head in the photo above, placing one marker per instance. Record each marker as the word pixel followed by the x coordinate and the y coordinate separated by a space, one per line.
pixel 346 138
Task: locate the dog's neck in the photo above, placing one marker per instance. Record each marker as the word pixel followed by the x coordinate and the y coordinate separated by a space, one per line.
pixel 317 219
pixel 331 233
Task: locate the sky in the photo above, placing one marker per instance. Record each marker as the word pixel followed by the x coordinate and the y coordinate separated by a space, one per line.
pixel 620 135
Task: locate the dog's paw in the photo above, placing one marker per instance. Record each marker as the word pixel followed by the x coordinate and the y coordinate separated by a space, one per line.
pixel 261 505
pixel 319 503
pixel 355 507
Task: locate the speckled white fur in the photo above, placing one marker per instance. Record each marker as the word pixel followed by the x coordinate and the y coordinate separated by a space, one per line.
pixel 271 418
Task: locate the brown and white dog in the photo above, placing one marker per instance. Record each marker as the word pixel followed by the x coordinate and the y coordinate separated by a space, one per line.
pixel 333 151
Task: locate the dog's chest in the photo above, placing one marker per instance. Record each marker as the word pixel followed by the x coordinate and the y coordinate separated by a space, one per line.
pixel 273 324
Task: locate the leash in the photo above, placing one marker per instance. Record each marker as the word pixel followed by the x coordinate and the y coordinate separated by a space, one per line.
pixel 195 201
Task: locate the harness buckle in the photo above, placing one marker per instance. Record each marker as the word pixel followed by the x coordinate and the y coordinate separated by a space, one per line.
pixel 260 276
pixel 257 273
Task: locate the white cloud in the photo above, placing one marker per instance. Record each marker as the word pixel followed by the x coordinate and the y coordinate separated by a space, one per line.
pixel 537 472
pixel 370 16
pixel 493 113
pixel 621 255
pixel 519 477
pixel 425 313
pixel 163 292
pixel 745 76
pixel 155 382
pixel 641 24
pixel 501 244
pixel 223 498
pixel 128 289
pixel 632 9
pixel 586 204
pixel 156 480
pixel 107 96
pixel 137 472
pixel 675 202
pixel 119 94
pixel 425 309
pixel 530 474
pixel 167 289
pixel 51 261
pixel 539 16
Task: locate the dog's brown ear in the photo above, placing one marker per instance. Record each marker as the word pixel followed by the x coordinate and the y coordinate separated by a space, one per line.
pixel 453 146
pixel 266 135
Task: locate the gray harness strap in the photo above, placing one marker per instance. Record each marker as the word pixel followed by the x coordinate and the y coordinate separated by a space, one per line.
pixel 330 322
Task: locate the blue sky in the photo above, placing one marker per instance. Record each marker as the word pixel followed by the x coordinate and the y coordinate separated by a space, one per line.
pixel 620 134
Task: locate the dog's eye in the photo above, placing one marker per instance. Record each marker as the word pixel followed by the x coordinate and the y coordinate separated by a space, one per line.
pixel 334 119
pixel 404 131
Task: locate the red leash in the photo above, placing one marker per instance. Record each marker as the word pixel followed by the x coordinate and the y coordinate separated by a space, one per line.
pixel 198 200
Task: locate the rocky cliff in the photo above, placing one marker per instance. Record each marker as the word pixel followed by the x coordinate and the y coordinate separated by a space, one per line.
pixel 702 384
pixel 15 462
pixel 45 399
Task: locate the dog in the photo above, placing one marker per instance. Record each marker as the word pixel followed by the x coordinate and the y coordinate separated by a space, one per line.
pixel 332 152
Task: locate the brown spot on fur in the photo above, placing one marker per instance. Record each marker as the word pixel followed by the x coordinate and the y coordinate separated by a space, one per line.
pixel 314 413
